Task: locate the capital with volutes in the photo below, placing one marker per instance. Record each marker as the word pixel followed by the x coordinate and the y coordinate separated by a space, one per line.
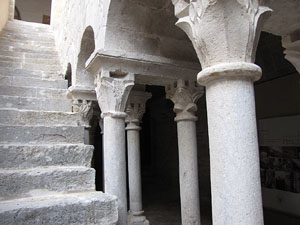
pixel 184 95
pixel 223 32
pixel 135 109
pixel 112 93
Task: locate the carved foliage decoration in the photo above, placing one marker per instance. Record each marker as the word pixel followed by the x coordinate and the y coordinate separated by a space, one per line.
pixel 221 31
pixel 112 93
pixel 184 95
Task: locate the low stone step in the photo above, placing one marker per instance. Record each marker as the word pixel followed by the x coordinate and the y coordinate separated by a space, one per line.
pixel 31 66
pixel 29 26
pixel 38 118
pixel 52 61
pixel 18 182
pixel 30 156
pixel 28 49
pixel 84 208
pixel 19 36
pixel 43 104
pixel 6 71
pixel 33 92
pixel 16 42
pixel 33 82
pixel 41 134
pixel 52 55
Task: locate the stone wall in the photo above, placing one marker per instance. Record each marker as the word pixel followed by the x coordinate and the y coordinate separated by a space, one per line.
pixel 69 20
pixel 4 12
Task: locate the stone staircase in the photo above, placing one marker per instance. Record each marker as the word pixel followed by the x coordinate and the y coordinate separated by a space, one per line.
pixel 45 174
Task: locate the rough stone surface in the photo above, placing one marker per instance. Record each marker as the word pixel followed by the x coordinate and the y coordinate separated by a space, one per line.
pixel 87 208
pixel 32 82
pixel 45 104
pixel 35 117
pixel 19 182
pixel 38 134
pixel 30 156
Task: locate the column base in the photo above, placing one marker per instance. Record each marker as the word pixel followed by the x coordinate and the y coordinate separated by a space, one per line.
pixel 137 219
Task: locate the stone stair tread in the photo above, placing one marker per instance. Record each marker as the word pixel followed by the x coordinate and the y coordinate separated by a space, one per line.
pixel 5 71
pixel 23 59
pixel 38 117
pixel 30 66
pixel 53 55
pixel 33 92
pixel 44 104
pixel 38 134
pixel 19 182
pixel 21 156
pixel 81 208
pixel 33 82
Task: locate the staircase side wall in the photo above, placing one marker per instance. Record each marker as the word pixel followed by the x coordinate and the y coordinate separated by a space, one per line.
pixel 69 20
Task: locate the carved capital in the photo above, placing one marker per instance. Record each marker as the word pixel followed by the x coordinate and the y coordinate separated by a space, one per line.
pixel 136 108
pixel 184 95
pixel 222 31
pixel 291 43
pixel 112 94
pixel 85 109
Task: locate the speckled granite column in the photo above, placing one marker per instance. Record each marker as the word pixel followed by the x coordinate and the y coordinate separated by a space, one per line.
pixel 225 36
pixel 135 110
pixel 184 94
pixel 112 95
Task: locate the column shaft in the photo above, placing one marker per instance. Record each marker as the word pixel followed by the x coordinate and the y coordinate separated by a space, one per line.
pixel 134 170
pixel 234 157
pixel 188 173
pixel 114 156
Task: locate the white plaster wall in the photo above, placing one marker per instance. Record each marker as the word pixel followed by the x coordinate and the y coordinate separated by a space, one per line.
pixel 33 10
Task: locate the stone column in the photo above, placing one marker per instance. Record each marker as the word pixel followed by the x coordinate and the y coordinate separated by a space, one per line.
pixel 291 43
pixel 184 95
pixel 135 110
pixel 112 94
pixel 225 36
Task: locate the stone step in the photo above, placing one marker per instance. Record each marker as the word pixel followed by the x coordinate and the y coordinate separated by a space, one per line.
pixel 28 49
pixel 5 71
pixel 29 156
pixel 26 36
pixel 33 92
pixel 41 134
pixel 24 55
pixel 31 66
pixel 33 82
pixel 84 208
pixel 16 42
pixel 24 25
pixel 38 118
pixel 52 61
pixel 43 104
pixel 28 44
pixel 18 182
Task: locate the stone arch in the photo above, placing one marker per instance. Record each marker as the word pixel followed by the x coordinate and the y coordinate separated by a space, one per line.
pixel 147 27
pixel 87 47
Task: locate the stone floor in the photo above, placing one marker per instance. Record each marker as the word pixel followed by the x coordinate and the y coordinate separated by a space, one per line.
pixel 162 207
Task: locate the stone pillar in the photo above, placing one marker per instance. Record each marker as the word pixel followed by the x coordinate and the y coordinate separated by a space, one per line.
pixel 225 36
pixel 291 43
pixel 135 110
pixel 11 9
pixel 112 94
pixel 184 95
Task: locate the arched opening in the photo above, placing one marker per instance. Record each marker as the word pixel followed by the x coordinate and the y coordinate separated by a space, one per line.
pixel 37 11
pixel 68 75
pixel 87 47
